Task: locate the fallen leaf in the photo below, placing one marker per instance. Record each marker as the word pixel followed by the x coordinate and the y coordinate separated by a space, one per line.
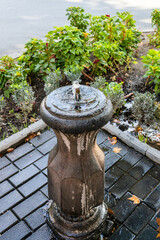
pixel 138 128
pixel 110 211
pixel 10 150
pixel 112 140
pixel 134 199
pixel 1 155
pixel 158 235
pixel 31 136
pixel 115 121
pixel 117 150
pixel 158 221
pixel 38 133
pixel 32 120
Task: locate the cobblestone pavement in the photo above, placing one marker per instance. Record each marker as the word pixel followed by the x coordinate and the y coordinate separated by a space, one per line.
pixel 23 190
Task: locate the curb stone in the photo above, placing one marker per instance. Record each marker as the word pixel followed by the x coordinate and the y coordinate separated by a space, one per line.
pixel 125 137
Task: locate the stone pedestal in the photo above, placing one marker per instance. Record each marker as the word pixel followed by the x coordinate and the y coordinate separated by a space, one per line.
pixel 76 163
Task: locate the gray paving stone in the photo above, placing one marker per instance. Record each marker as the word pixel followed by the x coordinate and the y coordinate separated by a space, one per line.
pixel 7 172
pixel 104 148
pixel 45 172
pixel 129 160
pixel 30 204
pixel 42 162
pixel 112 175
pixel 42 233
pixel 28 159
pixel 122 185
pixel 7 220
pixel 119 144
pixel 101 137
pixel 36 219
pixel 33 185
pixel 153 199
pixel 122 233
pixel 4 162
pixel 110 159
pixel 10 200
pixel 24 175
pixel 155 172
pixel 153 221
pixel 123 208
pixel 5 187
pixel 46 147
pixel 45 136
pixel 17 232
pixel 20 151
pixel 144 186
pixel 148 233
pixel 110 200
pixel 45 190
pixel 139 218
pixel 141 168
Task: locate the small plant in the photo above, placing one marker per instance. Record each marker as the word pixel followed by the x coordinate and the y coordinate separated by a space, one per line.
pixel 114 91
pixel 23 97
pixel 144 107
pixel 155 38
pixel 99 82
pixel 2 103
pixel 74 73
pixel 52 81
pixel 152 64
pixel 141 137
pixel 78 18
pixel 13 128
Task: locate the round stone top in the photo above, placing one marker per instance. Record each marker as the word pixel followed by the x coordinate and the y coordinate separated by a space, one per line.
pixel 61 111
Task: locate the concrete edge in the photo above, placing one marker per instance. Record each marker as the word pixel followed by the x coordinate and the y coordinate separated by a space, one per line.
pixel 125 137
pixel 133 142
pixel 19 137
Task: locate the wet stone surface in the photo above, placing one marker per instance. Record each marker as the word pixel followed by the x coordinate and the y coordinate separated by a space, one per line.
pixel 24 193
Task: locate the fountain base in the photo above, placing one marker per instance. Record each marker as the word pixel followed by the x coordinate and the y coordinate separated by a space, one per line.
pixel 87 228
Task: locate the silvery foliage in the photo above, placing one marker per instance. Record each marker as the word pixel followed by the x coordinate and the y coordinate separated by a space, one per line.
pixel 52 81
pixel 144 107
pixel 73 74
pixel 23 97
pixel 2 103
pixel 99 82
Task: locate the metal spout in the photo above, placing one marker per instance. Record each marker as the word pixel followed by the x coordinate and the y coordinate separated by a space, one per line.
pixel 76 90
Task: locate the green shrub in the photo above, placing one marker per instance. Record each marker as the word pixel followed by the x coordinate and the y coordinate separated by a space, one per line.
pixel 144 107
pixel 99 82
pixel 113 90
pixel 152 64
pixel 155 38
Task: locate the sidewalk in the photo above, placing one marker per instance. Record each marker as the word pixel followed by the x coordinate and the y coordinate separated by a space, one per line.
pixel 23 190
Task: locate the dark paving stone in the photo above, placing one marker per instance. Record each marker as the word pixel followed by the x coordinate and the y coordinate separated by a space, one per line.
pixel 7 220
pixel 110 159
pixel 139 218
pixel 141 168
pixel 24 175
pixel 101 137
pixel 46 147
pixel 7 172
pixel 5 187
pixel 28 159
pixel 131 158
pixel 123 208
pixel 45 172
pixel 112 175
pixel 30 204
pixel 148 233
pixel 122 233
pixel 4 162
pixel 110 200
pixel 155 172
pixel 10 200
pixel 119 144
pixel 20 151
pixel 122 185
pixel 153 221
pixel 17 232
pixel 33 185
pixel 36 219
pixel 42 162
pixel 153 200
pixel 42 233
pixel 37 141
pixel 104 148
pixel 144 186
pixel 45 190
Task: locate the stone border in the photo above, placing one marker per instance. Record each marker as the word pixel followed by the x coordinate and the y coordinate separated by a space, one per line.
pixel 125 137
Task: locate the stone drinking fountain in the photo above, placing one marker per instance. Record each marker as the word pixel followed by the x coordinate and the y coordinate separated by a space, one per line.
pixel 76 163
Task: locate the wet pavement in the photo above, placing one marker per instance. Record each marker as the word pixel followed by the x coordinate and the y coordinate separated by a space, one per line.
pixel 24 193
